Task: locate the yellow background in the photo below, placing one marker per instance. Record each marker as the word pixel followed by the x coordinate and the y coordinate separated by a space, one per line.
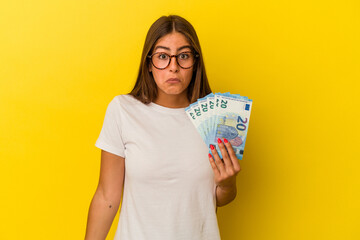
pixel 62 61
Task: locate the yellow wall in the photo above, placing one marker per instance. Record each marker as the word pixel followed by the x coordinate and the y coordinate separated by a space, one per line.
pixel 62 61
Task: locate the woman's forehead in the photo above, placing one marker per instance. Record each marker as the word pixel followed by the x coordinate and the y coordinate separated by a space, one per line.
pixel 173 41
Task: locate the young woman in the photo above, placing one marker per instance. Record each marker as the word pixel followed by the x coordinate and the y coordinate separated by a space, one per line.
pixel 152 156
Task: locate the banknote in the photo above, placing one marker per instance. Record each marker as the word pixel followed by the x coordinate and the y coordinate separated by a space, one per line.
pixel 222 115
pixel 232 122
pixel 193 112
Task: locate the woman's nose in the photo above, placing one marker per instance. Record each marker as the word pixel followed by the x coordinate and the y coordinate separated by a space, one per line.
pixel 174 66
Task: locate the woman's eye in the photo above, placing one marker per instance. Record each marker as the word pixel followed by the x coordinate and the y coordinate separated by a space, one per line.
pixel 163 56
pixel 184 55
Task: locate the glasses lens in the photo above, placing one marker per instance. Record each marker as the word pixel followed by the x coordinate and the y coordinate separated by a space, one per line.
pixel 186 59
pixel 160 60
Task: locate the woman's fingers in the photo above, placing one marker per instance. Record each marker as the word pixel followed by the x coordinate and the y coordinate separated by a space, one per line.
pixel 214 167
pixel 225 155
pixel 217 159
pixel 226 169
pixel 234 159
pixel 229 165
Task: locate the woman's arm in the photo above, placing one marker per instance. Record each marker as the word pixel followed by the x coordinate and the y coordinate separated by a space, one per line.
pixel 225 171
pixel 225 195
pixel 106 200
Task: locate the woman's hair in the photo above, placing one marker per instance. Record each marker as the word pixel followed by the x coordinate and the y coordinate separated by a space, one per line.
pixel 145 88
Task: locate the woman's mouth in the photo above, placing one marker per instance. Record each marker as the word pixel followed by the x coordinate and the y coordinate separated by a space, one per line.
pixel 173 80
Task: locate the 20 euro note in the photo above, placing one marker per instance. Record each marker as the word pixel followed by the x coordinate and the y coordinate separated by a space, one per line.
pixel 232 122
pixel 206 109
pixel 194 113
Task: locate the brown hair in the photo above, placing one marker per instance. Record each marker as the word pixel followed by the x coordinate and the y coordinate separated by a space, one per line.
pixel 145 88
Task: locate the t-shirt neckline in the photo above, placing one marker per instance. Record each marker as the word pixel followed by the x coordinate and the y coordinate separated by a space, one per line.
pixel 166 109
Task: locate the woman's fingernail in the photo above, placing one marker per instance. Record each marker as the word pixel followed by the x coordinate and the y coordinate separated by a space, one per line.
pixel 209 155
pixel 225 140
pixel 212 147
pixel 219 140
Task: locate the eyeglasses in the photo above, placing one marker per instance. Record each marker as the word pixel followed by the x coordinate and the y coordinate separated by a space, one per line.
pixel 161 60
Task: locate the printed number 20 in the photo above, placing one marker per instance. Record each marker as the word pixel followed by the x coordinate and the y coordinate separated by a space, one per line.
pixel 241 126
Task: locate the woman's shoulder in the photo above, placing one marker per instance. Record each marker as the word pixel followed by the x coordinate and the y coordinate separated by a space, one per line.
pixel 126 100
pixel 122 98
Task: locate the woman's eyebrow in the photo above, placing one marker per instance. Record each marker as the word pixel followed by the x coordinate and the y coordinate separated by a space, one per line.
pixel 186 46
pixel 166 48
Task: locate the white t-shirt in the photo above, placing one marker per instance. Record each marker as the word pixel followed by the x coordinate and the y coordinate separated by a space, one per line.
pixel 169 188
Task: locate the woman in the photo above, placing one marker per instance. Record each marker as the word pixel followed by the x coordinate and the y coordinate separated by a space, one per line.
pixel 152 154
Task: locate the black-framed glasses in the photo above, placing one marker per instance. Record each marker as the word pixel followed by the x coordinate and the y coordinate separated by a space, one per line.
pixel 161 60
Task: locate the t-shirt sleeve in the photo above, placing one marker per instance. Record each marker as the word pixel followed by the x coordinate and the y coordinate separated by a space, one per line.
pixel 110 138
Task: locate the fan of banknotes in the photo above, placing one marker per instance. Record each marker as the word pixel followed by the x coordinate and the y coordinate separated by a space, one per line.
pixel 222 115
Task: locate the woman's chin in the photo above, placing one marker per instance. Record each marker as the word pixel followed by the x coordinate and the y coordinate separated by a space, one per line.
pixel 174 91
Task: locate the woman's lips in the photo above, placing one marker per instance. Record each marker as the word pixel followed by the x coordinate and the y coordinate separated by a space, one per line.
pixel 173 80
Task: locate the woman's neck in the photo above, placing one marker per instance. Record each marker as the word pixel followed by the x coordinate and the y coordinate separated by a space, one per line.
pixel 172 101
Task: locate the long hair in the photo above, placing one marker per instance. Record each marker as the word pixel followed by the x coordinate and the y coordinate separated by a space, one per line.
pixel 145 88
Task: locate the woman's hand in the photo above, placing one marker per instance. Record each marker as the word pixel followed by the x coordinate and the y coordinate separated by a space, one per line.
pixel 225 171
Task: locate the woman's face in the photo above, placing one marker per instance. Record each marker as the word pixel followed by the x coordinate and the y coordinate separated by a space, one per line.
pixel 173 80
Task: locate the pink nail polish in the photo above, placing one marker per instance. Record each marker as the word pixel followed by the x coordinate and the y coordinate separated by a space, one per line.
pixel 225 140
pixel 219 140
pixel 212 147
